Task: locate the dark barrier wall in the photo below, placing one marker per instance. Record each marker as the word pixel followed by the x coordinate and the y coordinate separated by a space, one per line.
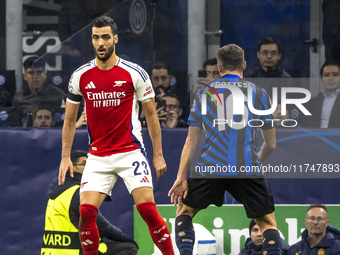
pixel 30 160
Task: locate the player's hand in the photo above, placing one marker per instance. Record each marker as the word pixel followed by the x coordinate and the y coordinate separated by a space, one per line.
pixel 159 165
pixel 65 165
pixel 178 191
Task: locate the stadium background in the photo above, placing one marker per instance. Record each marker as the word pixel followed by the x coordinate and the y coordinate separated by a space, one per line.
pixel 30 160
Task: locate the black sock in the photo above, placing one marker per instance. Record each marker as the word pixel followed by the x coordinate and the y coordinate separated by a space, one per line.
pixel 272 242
pixel 185 234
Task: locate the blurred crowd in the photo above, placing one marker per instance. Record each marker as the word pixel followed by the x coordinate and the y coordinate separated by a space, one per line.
pixel 41 102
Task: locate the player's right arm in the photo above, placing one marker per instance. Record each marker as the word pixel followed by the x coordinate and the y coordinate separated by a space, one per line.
pixel 269 143
pixel 69 129
pixel 179 189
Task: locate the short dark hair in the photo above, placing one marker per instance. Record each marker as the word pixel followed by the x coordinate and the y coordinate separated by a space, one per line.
pixel 252 223
pixel 210 62
pixel 268 40
pixel 231 57
pixel 317 206
pixel 161 65
pixel 43 108
pixel 105 21
pixel 173 95
pixel 33 62
pixel 75 155
pixel 329 63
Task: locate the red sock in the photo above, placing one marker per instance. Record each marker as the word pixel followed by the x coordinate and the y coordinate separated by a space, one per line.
pixel 88 230
pixel 159 231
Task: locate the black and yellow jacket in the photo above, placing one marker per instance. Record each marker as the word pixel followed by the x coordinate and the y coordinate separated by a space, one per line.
pixel 62 218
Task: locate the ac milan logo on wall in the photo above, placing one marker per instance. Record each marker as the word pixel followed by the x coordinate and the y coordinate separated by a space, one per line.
pixel 138 16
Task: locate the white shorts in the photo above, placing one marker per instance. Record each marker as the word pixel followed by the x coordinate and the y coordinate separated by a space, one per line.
pixel 101 173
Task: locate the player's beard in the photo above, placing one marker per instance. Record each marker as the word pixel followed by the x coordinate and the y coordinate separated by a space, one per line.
pixel 107 55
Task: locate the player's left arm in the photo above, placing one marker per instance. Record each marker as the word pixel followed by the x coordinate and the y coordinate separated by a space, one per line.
pixel 68 133
pixel 149 109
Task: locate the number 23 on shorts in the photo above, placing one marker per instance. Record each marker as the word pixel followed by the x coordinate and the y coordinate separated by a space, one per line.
pixel 140 167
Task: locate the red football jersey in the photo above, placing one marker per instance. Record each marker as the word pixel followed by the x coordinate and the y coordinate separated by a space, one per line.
pixel 111 105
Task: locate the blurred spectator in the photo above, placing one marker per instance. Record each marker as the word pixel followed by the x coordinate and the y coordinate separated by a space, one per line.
pixel 161 77
pixel 269 74
pixel 325 107
pixel 172 108
pixel 199 83
pixel 206 76
pixel 43 118
pixel 37 92
pixel 269 54
pixel 331 29
pixel 210 68
pixel 254 242
pixel 81 122
pixel 318 237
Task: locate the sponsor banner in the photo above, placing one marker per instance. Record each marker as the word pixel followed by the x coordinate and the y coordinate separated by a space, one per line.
pixel 228 227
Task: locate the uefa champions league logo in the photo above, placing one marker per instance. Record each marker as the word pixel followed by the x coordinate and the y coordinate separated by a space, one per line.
pixel 237 103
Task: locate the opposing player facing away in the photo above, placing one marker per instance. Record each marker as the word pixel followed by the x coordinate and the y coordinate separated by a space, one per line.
pixel 111 88
pixel 230 146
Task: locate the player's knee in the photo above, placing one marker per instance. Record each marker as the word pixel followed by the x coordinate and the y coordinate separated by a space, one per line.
pixel 142 195
pixel 186 210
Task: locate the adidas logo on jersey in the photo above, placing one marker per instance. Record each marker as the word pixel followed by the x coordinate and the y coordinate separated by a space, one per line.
pixel 145 179
pixel 90 85
pixel 119 83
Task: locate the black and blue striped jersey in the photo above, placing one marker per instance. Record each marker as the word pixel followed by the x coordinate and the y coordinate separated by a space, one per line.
pixel 224 109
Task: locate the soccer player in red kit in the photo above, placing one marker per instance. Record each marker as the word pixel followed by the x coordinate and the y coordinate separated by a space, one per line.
pixel 112 88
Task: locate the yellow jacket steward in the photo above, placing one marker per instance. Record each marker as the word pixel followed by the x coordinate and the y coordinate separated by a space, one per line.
pixel 61 236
